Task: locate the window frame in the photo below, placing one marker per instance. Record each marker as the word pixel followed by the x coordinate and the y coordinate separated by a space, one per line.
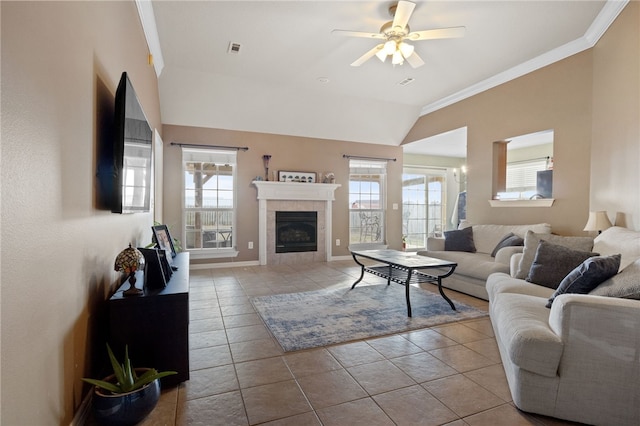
pixel 210 252
pixel 430 175
pixel 376 171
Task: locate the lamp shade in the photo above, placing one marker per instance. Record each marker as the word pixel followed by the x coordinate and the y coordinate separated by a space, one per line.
pixel 598 221
pixel 129 260
pixel 390 47
pixel 397 58
pixel 406 49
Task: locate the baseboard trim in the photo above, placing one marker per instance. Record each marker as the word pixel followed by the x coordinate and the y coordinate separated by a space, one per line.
pixel 218 265
pixel 83 413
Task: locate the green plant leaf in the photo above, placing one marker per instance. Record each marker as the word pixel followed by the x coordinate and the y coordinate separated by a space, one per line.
pixel 117 368
pixel 104 385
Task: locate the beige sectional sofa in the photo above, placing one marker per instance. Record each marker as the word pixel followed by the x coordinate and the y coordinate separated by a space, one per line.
pixel 580 359
pixel 474 268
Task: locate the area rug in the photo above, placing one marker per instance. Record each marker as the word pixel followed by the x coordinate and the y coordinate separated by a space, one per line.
pixel 326 317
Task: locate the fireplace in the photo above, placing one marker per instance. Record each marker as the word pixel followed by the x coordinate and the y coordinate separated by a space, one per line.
pixel 296 231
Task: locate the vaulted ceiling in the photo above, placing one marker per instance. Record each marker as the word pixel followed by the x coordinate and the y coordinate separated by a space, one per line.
pixel 292 76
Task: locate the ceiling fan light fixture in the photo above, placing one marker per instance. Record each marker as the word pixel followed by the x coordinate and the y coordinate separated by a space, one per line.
pixel 382 55
pixel 397 59
pixel 390 47
pixel 406 49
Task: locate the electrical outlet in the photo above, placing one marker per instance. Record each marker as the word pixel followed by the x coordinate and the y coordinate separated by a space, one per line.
pixel 338 241
pixel 250 245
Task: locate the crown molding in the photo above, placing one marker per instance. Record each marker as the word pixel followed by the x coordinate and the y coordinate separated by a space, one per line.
pixel 148 20
pixel 605 18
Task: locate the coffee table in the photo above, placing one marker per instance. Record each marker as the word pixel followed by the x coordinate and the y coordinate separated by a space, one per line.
pixel 400 267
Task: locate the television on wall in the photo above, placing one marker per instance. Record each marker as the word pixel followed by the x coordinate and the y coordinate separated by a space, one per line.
pixel 132 148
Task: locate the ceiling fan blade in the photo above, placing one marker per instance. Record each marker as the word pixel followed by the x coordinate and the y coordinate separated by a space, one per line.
pixel 364 58
pixel 358 34
pixel 453 32
pixel 404 9
pixel 414 60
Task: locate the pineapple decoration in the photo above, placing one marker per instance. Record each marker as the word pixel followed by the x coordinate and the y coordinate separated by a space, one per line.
pixel 129 261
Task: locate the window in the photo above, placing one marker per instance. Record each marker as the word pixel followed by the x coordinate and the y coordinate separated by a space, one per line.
pixel 209 200
pixel 366 202
pixel 423 206
pixel 522 176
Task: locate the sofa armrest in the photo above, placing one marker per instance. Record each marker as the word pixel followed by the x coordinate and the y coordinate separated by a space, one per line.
pixel 504 254
pixel 435 244
pixel 601 337
pixel 601 323
pixel 514 263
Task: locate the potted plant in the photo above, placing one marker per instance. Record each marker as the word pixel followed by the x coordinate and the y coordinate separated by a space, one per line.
pixel 128 395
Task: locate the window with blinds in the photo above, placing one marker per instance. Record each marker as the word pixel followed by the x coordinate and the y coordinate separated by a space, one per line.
pixel 522 175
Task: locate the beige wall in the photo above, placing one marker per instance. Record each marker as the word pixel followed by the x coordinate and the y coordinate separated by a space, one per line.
pixel 591 102
pixel 61 63
pixel 615 146
pixel 288 153
pixel 556 97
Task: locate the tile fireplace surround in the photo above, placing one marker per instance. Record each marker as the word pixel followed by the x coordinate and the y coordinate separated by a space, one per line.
pixel 293 196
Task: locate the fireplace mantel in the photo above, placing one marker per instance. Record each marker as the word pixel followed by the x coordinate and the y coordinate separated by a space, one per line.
pixel 293 191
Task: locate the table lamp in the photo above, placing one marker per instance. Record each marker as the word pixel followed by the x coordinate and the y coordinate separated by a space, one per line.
pixel 598 221
pixel 128 261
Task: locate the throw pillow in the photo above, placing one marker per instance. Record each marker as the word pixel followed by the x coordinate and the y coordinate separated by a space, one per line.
pixel 459 240
pixel 532 239
pixel 553 262
pixel 625 284
pixel 507 241
pixel 588 275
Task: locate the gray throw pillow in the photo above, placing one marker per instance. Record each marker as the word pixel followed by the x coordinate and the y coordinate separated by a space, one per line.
pixel 459 240
pixel 588 275
pixel 553 262
pixel 625 284
pixel 532 239
pixel 507 241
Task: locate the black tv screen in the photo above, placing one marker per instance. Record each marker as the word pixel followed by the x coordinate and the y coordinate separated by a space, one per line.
pixel 132 152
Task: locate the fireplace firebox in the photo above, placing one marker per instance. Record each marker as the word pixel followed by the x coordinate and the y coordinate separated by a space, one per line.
pixel 296 231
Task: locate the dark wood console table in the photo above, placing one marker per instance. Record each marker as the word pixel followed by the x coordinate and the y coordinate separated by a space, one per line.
pixel 155 325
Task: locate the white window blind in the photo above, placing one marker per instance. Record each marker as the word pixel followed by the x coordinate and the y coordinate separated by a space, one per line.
pixel 522 175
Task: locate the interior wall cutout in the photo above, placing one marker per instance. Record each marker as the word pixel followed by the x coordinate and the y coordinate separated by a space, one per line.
pixel 523 167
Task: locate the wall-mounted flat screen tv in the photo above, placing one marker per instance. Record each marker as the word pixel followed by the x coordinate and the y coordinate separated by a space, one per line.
pixel 132 152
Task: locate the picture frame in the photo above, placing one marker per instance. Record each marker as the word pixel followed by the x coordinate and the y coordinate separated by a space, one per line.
pixel 155 274
pixel 291 176
pixel 163 239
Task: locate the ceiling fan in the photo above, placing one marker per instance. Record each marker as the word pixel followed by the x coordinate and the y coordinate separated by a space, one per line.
pixel 396 34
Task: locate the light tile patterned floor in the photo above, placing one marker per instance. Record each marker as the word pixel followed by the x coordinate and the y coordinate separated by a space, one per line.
pixel 449 374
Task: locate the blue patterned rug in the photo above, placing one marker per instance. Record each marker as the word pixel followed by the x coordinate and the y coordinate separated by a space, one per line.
pixel 326 317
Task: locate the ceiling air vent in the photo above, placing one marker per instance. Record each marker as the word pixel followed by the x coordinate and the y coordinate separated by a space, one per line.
pixel 407 81
pixel 234 48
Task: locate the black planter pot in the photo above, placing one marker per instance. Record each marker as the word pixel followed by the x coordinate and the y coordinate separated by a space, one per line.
pixel 127 408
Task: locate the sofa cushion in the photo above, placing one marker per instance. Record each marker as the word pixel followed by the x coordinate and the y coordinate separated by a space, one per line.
pixel 505 283
pixel 553 262
pixel 619 240
pixel 459 240
pixel 486 237
pixel 522 322
pixel 473 265
pixel 625 284
pixel 588 275
pixel 509 240
pixel 532 239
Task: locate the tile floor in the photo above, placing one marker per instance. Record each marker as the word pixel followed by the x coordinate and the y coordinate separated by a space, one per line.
pixel 444 375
